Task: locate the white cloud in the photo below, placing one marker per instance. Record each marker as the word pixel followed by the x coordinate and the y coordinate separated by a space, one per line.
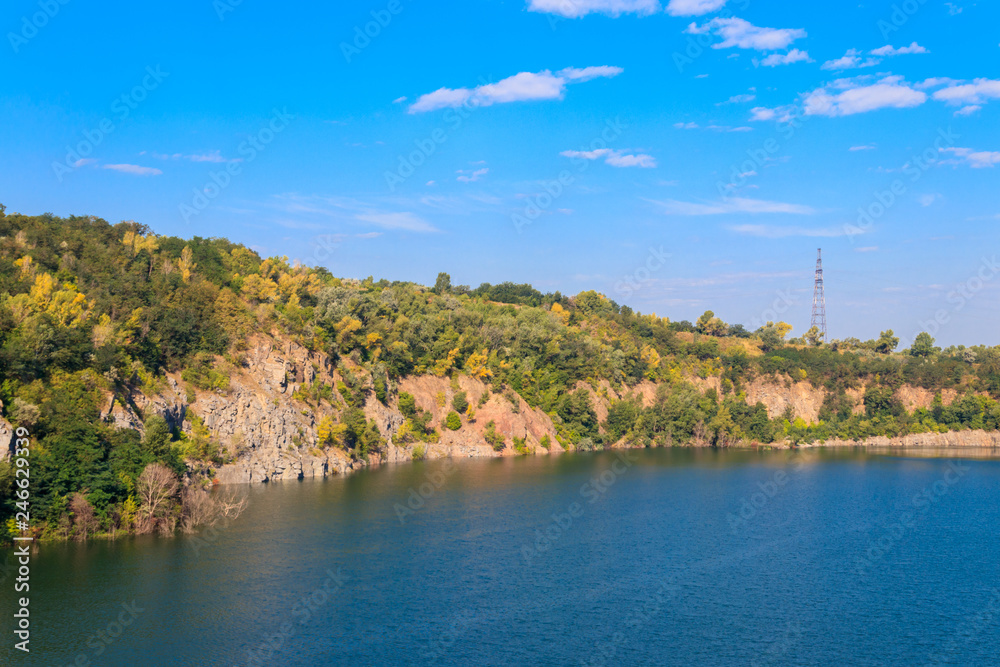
pixel 133 169
pixel 614 158
pixel 969 110
pixel 214 156
pixel 850 60
pixel 781 114
pixel 736 32
pixel 581 75
pixel 473 176
pixel 889 50
pixel 727 128
pixel 975 159
pixel 694 7
pixel 518 88
pixel 739 99
pixel 732 205
pixel 780 232
pixel 866 147
pixel 977 92
pixel 928 199
pixel 953 8
pixel 405 221
pixel 793 56
pixel 869 248
pixel 399 100
pixel 715 128
pixel 936 81
pixel 890 92
pixel 573 9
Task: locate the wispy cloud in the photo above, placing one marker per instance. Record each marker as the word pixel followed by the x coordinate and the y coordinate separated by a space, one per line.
pixel 714 128
pixel 133 169
pixel 318 212
pixel 975 159
pixel 468 176
pixel 213 156
pixel 740 99
pixel 781 232
pixel 793 56
pixel 868 248
pixel 404 221
pixel 573 9
pixel 694 7
pixel 731 205
pixel 866 147
pixel 850 60
pixel 521 87
pixel 736 32
pixel 614 158
pixel 889 50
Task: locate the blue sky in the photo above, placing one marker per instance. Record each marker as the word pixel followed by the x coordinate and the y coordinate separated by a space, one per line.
pixel 678 156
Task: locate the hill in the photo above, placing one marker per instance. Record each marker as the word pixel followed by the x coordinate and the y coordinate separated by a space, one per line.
pixel 146 368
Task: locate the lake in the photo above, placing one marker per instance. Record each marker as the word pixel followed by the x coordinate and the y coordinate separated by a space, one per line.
pixel 652 557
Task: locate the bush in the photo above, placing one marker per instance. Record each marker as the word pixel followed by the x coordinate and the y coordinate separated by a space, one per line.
pixel 407 405
pixel 496 440
pixel 460 402
pixel 453 421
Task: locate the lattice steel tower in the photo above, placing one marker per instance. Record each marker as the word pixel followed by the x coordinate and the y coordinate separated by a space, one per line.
pixel 819 297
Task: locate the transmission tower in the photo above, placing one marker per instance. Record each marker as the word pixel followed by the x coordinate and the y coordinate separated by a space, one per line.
pixel 819 298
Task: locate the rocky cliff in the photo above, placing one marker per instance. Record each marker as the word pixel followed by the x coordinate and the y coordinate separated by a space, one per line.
pixel 269 433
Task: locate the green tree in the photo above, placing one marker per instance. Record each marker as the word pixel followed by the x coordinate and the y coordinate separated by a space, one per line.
pixel 923 345
pixel 814 336
pixel 887 342
pixel 443 283
pixel 453 421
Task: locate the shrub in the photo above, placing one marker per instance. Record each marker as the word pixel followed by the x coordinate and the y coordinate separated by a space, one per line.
pixel 460 402
pixel 496 440
pixel 407 404
pixel 453 421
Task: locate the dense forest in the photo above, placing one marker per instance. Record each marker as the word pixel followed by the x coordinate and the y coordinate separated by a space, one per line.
pixel 90 310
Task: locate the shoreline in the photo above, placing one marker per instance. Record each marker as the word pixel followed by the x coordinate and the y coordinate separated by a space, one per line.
pixel 950 440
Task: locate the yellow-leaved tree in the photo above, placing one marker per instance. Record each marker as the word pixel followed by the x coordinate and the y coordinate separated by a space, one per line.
pixel 476 366
pixel 67 305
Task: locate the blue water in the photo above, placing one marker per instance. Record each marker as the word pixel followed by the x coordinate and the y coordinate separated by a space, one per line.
pixel 835 561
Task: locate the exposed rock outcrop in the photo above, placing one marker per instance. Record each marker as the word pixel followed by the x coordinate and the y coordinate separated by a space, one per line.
pixel 269 429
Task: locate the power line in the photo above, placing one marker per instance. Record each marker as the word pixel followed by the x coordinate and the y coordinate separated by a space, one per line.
pixel 819 297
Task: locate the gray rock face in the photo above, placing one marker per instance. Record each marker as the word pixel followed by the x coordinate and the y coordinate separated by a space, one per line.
pixel 6 438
